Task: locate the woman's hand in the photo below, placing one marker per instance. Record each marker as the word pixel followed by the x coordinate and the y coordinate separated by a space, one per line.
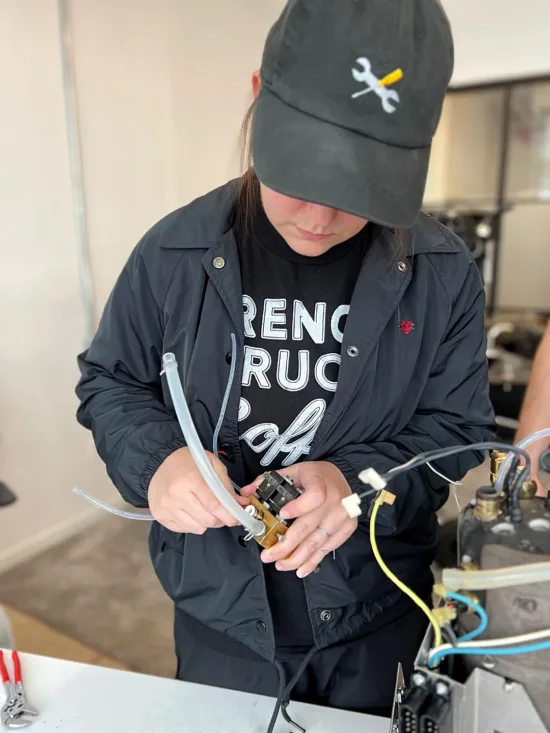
pixel 319 507
pixel 180 499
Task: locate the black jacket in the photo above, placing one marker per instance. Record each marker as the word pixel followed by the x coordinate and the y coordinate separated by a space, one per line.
pixel 403 389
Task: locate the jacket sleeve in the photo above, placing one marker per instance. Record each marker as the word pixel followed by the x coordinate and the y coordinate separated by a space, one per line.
pixel 120 388
pixel 455 409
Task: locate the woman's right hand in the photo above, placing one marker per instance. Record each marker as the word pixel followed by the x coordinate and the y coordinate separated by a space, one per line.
pixel 181 500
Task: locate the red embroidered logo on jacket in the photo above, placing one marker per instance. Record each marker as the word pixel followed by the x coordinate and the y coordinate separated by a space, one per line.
pixel 406 327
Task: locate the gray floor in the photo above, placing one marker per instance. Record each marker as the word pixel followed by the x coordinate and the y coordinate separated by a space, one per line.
pixel 99 588
pixel 6 633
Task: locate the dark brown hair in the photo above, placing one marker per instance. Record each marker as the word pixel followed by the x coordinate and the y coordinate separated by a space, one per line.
pixel 249 187
pixel 248 197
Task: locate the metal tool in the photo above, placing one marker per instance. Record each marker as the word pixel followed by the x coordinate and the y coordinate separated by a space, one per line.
pixel 16 711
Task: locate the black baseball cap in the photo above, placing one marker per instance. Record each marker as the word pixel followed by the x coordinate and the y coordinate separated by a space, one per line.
pixel 352 92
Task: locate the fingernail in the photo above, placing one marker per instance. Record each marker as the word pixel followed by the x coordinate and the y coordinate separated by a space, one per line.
pixel 301 573
pixel 266 557
pixel 280 566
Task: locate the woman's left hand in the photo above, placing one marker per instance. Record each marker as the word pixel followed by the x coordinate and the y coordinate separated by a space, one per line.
pixel 319 508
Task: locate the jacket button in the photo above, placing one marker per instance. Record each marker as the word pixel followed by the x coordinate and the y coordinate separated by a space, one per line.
pixel 353 351
pixel 229 358
pixel 242 541
pixel 261 627
pixel 219 263
pixel 402 266
pixel 326 615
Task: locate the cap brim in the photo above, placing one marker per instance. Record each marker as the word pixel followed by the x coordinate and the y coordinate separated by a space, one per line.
pixel 309 159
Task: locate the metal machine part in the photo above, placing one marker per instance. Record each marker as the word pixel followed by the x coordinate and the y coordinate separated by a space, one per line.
pixel 272 495
pixel 529 488
pixel 478 693
pixel 426 705
pixel 483 701
pixel 488 504
pixel 481 528
pixel 497 459
pixel 400 690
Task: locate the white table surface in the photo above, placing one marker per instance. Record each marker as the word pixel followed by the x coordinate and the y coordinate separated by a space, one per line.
pixel 79 698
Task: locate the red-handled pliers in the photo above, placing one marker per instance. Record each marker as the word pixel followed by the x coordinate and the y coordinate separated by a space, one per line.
pixel 16 712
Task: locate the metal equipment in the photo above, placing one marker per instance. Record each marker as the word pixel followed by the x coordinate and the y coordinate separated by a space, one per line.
pixel 272 495
pixel 499 682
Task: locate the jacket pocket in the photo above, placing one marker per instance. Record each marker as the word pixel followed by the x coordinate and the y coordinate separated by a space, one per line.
pixel 354 556
pixel 167 554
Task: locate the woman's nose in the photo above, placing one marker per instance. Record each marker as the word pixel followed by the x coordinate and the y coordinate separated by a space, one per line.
pixel 319 217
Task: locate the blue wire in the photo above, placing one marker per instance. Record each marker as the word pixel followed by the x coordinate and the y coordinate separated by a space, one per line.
pixel 481 612
pixel 489 651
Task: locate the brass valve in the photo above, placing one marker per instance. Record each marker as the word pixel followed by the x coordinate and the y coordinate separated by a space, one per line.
pixel 497 459
pixel 275 529
pixel 274 492
pixel 528 489
pixel 488 504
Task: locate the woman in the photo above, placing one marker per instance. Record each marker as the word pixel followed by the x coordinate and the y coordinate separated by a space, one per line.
pixel 362 344
pixel 535 411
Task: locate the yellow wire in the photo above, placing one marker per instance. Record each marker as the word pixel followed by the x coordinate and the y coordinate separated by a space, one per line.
pixel 385 569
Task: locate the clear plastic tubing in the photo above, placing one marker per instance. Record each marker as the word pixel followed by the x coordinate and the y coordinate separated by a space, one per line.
pixel 505 467
pixel 254 526
pixel 112 509
pixel 454 579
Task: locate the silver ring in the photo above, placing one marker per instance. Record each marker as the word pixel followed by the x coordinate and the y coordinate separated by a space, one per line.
pixel 324 532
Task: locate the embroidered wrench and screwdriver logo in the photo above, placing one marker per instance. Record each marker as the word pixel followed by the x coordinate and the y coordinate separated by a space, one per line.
pixel 388 97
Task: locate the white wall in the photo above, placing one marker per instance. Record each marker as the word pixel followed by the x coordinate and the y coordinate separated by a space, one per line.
pixel 525 259
pixel 162 88
pixel 437 172
pixel 525 248
pixel 42 453
pixel 499 39
pixel 466 151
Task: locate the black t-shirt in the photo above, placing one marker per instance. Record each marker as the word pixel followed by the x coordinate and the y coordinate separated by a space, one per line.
pixel 295 309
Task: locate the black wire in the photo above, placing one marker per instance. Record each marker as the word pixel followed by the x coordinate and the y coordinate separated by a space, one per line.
pixel 515 511
pixel 450 637
pixel 423 458
pixel 508 484
pixel 280 694
pixel 513 481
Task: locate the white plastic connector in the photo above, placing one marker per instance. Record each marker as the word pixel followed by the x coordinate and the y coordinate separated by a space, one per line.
pixel 352 505
pixel 371 477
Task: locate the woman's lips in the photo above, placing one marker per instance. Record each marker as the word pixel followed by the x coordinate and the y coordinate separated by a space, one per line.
pixel 310 236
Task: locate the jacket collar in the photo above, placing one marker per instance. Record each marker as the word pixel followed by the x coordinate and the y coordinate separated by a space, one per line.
pixel 205 221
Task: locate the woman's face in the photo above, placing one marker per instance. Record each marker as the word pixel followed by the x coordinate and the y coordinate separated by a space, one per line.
pixel 308 229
